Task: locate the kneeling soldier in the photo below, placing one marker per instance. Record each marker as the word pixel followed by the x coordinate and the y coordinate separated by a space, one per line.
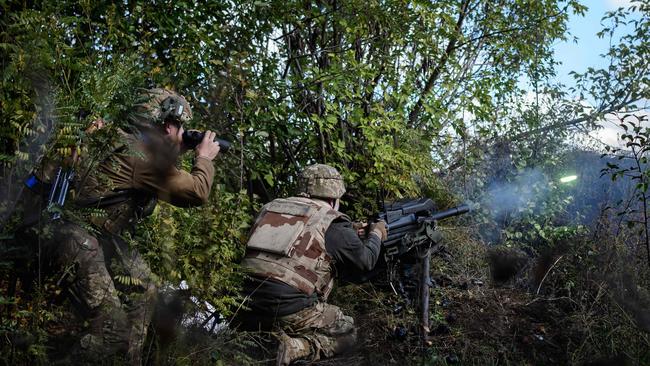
pixel 296 248
pixel 125 185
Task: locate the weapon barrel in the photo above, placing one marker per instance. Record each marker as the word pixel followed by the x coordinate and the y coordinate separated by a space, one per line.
pixel 454 211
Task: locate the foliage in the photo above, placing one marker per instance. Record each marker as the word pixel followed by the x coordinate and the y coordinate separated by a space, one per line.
pixel 200 246
pixel 636 139
pixel 625 81
pixel 393 93
pixel 303 82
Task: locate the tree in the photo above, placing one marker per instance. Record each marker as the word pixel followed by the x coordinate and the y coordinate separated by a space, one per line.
pixel 388 91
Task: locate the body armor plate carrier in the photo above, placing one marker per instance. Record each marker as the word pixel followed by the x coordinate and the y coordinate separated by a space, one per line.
pixel 287 244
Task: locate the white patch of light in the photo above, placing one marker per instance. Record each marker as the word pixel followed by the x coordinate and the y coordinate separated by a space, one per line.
pixel 568 179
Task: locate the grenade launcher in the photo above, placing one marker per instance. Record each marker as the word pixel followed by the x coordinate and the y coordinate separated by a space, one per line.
pixel 412 238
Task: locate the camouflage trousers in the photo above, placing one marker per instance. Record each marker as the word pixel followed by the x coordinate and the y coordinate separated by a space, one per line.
pixel 111 286
pixel 327 330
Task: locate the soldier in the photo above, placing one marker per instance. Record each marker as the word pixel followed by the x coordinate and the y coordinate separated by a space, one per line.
pixel 137 171
pixel 296 248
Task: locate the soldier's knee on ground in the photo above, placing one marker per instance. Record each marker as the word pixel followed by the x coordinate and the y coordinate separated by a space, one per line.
pixel 343 324
pixel 338 337
pixel 331 345
pixel 336 323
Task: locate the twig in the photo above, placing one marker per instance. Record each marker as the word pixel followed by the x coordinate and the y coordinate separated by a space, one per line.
pixel 550 299
pixel 546 274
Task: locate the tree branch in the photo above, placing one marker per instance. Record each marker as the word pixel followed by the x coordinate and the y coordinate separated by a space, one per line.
pixel 451 46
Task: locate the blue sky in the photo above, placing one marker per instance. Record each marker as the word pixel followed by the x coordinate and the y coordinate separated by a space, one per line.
pixel 586 52
pixel 578 56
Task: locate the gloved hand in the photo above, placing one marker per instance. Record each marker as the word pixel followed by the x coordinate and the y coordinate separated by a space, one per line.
pixel 379 229
pixel 360 228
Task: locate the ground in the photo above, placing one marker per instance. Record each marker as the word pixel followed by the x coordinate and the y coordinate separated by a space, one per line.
pixel 558 318
pixel 576 311
pixel 472 322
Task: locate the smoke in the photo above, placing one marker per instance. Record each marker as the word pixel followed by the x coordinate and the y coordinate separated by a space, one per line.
pixel 510 199
pixel 31 148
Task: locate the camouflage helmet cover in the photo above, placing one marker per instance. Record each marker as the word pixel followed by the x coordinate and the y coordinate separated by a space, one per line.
pixel 320 180
pixel 161 104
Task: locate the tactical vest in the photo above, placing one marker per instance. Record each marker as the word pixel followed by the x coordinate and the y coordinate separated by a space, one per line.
pixel 287 244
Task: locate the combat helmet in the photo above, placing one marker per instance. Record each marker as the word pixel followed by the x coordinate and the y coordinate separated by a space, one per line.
pixel 161 105
pixel 323 181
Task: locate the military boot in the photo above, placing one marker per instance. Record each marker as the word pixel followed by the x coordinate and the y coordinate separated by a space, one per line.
pixel 292 349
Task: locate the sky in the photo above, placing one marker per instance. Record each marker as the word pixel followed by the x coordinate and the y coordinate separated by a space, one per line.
pixel 578 56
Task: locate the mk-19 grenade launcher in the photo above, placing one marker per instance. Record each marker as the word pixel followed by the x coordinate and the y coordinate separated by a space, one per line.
pixel 407 221
pixel 412 239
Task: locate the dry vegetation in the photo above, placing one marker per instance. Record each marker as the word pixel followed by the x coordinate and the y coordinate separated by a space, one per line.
pixel 583 303
pixel 588 310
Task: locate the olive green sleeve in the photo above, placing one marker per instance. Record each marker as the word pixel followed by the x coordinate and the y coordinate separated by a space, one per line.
pixel 178 187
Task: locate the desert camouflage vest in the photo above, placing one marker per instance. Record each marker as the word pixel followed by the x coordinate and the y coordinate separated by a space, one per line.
pixel 288 244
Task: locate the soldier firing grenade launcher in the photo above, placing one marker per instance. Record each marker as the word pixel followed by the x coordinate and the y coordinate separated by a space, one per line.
pixel 192 138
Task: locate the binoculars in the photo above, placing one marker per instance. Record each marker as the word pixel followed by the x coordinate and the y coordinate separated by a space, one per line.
pixel 191 138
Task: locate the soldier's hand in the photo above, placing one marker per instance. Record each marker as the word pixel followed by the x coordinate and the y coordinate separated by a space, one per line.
pixel 208 148
pixel 361 228
pixel 379 229
pixel 95 125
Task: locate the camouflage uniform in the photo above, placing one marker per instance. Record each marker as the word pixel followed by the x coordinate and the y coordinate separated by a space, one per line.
pixel 125 186
pixel 325 328
pixel 287 251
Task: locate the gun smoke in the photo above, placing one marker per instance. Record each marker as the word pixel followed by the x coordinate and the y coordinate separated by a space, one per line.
pixel 507 200
pixel 43 126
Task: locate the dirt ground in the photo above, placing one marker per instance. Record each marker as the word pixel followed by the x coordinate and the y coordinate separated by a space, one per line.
pixel 470 324
pixel 474 320
pixel 477 320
